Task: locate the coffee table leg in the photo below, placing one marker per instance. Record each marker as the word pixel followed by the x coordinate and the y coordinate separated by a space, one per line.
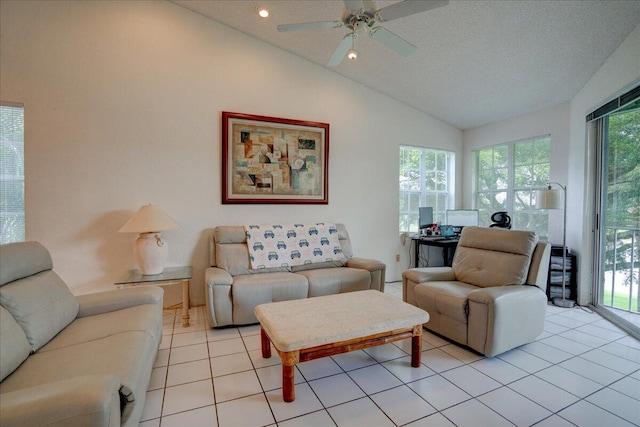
pixel 416 346
pixel 265 343
pixel 289 360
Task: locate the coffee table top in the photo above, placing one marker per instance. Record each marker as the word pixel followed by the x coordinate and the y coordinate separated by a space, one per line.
pixel 305 323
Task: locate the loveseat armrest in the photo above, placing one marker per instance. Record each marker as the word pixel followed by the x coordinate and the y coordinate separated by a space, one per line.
pixel 218 297
pixel 104 302
pixel 376 268
pixel 503 317
pixel 88 400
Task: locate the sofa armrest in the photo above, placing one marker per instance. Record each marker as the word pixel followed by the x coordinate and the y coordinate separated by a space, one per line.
pixel 104 302
pixel 88 400
pixel 377 270
pixel 218 297
pixel 504 317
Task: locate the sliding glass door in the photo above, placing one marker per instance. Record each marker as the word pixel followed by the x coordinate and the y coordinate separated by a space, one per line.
pixel 617 287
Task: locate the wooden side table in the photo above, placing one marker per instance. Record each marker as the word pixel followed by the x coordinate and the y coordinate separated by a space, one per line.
pixel 170 276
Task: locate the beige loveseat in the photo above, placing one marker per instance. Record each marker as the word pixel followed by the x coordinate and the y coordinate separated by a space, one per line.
pixel 71 361
pixel 493 297
pixel 233 288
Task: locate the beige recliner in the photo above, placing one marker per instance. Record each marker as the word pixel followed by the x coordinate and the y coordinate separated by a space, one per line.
pixel 493 297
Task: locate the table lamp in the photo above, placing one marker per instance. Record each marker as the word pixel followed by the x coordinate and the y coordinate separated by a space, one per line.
pixel 150 248
pixel 557 199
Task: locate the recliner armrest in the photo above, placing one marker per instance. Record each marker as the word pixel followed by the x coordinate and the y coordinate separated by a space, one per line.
pixel 429 274
pixel 217 276
pixel 497 294
pixel 88 400
pixel 104 302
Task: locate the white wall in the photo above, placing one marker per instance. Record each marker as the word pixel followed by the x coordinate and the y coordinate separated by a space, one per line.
pixel 619 73
pixel 553 120
pixel 122 108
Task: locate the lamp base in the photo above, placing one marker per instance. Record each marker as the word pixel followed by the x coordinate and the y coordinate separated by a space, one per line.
pixel 561 302
pixel 151 252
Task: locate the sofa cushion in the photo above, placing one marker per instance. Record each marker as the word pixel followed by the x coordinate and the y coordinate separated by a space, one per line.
pixel 14 347
pixel 330 281
pixel 250 290
pixel 491 257
pixel 42 304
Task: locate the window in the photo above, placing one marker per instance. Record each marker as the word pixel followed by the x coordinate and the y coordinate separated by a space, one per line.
pixel 11 173
pixel 506 178
pixel 426 179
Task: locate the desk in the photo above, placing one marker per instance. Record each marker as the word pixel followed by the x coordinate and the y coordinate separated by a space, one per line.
pixel 448 246
pixel 170 276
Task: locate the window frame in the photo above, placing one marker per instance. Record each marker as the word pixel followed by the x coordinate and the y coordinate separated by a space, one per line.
pixel 12 176
pixel 410 200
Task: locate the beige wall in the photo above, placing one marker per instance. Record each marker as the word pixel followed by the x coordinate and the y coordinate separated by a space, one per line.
pixel 122 108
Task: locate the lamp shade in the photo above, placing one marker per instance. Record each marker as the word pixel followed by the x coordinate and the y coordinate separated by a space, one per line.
pixel 149 219
pixel 549 199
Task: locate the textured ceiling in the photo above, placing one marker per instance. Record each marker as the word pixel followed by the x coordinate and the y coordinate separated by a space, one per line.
pixel 477 61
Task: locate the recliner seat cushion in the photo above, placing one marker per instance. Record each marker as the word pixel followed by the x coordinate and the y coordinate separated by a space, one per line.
pixel 449 299
pixel 485 258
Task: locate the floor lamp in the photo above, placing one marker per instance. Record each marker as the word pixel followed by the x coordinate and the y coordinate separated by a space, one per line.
pixel 557 199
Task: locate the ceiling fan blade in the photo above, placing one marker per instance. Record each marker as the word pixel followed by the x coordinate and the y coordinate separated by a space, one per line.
pixel 353 4
pixel 309 26
pixel 408 7
pixel 392 41
pixel 341 50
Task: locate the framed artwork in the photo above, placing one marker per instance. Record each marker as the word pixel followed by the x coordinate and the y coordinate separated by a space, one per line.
pixel 274 160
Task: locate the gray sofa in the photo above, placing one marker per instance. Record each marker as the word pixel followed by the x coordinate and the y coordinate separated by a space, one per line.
pixel 493 298
pixel 71 361
pixel 233 289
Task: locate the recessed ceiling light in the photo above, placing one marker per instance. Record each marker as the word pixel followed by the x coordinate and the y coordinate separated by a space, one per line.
pixel 263 12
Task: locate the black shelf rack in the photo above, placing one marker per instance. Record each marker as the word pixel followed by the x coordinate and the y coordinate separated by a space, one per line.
pixel 554 280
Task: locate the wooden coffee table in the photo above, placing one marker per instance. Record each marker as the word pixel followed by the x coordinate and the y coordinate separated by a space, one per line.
pixel 308 329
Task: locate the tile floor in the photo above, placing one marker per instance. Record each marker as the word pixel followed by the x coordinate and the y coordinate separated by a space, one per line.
pixel 581 371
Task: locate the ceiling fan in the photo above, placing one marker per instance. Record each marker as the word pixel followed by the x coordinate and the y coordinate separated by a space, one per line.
pixel 361 16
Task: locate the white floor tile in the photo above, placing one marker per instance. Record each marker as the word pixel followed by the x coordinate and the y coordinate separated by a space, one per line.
pixel 304 403
pixel 435 420
pixel 319 368
pixel 403 370
pixel 593 371
pixel 150 423
pixel 617 403
pixel 611 361
pixel 402 405
pixel 569 381
pixel 250 411
pixel 554 328
pixel 188 353
pixel 225 347
pixel 439 392
pixel 499 370
pixel 201 417
pixel 584 338
pixel 252 342
pixel 189 338
pixel 474 413
pixel 470 380
pixel 235 386
pixel 439 361
pixel 361 412
pixel 152 405
pixel 543 393
pixel 162 359
pixel 546 352
pixel 461 353
pixel 563 343
pixel 386 352
pixel 315 419
pixel 189 396
pixel 554 421
pixel 629 386
pixel 336 389
pixel 523 360
pixel 222 334
pixel 271 377
pixel 260 362
pixel 433 339
pixel 585 414
pixel 188 372
pixel 602 332
pixel 230 364
pixel 374 379
pixel 514 407
pixel 626 352
pixel 353 360
pixel 246 331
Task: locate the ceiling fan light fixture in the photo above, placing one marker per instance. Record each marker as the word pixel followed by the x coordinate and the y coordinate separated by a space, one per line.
pixel 352 54
pixel 263 12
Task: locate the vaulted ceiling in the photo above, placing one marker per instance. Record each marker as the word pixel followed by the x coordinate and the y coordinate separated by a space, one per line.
pixel 477 61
